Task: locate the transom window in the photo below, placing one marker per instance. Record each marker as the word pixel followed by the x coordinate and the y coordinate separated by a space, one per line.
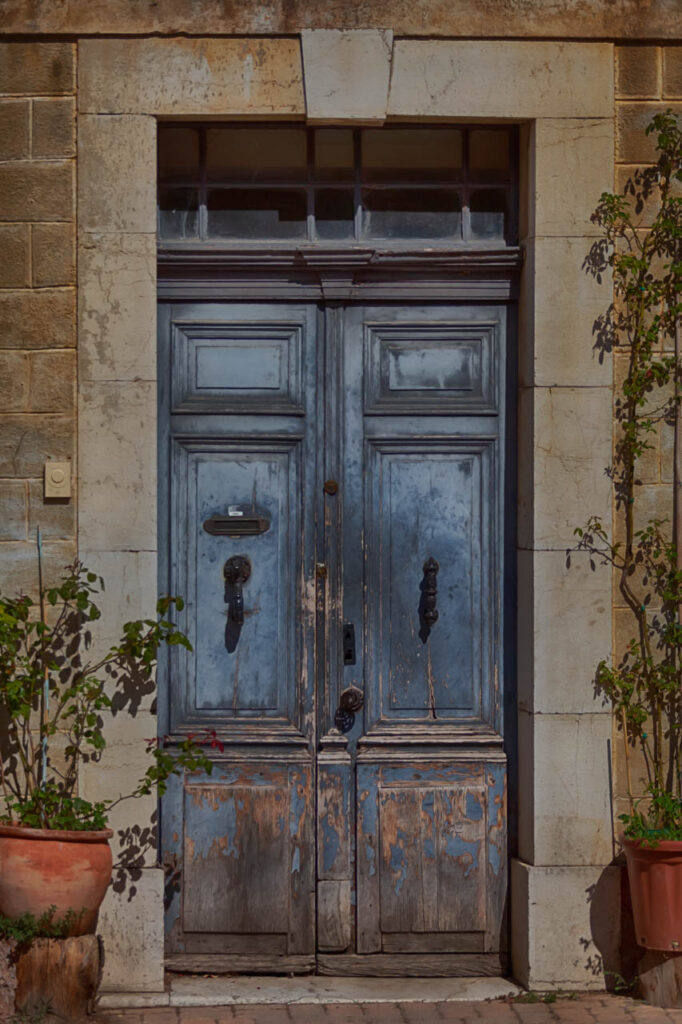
pixel 441 184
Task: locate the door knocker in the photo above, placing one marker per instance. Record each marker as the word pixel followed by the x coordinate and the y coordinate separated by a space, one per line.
pixel 350 701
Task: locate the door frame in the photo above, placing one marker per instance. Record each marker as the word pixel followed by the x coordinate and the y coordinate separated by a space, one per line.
pixel 374 277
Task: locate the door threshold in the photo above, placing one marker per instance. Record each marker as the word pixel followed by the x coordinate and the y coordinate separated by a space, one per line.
pixel 226 990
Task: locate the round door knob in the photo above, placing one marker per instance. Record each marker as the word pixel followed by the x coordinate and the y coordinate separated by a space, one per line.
pixel 330 487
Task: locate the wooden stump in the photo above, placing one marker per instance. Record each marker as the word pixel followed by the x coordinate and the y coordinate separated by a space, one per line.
pixel 60 976
pixel 660 978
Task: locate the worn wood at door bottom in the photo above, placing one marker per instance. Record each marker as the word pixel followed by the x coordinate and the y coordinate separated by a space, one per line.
pixel 380 965
pixel 413 965
pixel 216 963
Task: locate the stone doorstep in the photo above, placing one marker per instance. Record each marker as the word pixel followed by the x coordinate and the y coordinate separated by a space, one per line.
pixel 198 990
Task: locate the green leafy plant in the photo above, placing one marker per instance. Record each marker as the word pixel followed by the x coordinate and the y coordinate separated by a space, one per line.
pixel 23 930
pixel 52 692
pixel 644 688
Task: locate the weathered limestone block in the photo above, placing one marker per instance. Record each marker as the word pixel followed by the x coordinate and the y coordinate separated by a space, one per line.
pixel 53 252
pixel 564 807
pixel 564 448
pixel 346 75
pixel 15 270
pixel 117 173
pixel 38 69
pixel 36 191
pixel 20 565
pixel 123 763
pixel 15 380
pixel 561 302
pixel 38 319
pixel 556 674
pixel 637 72
pixel 118 492
pixel 208 77
pixel 54 128
pixel 131 593
pixel 56 519
pixel 571 932
pixel 469 78
pixel 14 129
pixel 131 926
pixel 13 512
pixel 27 440
pixel 53 381
pixel 572 166
pixel 633 145
pixel 672 72
pixel 117 307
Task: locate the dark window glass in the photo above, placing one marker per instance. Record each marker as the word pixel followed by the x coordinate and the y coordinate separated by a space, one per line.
pixel 488 214
pixel 411 154
pixel 411 213
pixel 489 157
pixel 256 154
pixel 334 210
pixel 334 154
pixel 256 213
pixel 178 213
pixel 179 154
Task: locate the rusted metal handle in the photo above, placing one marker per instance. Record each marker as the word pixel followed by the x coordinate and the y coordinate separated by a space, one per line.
pixel 431 568
pixel 236 572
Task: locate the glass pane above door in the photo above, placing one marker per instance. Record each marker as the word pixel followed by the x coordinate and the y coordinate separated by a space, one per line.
pixel 401 184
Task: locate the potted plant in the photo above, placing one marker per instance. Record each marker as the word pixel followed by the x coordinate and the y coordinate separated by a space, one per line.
pixel 644 688
pixel 54 845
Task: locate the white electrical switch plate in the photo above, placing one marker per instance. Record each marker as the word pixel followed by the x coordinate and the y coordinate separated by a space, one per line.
pixel 57 479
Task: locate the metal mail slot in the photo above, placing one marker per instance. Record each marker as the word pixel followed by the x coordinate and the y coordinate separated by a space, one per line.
pixel 236 526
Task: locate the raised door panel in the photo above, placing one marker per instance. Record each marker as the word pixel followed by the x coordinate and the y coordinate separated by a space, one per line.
pixel 233 672
pixel 430 500
pixel 431 867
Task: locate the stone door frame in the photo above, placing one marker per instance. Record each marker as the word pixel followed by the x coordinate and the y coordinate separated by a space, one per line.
pixel 562 95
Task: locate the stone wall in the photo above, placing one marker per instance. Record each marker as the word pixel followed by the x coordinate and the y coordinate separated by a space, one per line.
pixel 37 302
pixel 648 80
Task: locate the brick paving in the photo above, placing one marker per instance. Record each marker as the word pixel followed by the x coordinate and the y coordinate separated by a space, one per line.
pixel 585 1009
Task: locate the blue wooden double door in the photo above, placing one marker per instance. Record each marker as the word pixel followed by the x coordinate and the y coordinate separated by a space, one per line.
pixel 333 513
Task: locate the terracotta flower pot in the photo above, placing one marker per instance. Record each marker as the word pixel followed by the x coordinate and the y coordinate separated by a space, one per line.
pixel 655 876
pixel 43 867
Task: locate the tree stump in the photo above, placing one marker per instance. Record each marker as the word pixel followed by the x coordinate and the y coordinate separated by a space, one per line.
pixel 59 976
pixel 660 978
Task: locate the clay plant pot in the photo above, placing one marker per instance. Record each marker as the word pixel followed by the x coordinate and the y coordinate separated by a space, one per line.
pixel 40 868
pixel 655 876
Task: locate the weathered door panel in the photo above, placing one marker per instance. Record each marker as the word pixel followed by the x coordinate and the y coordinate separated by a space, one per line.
pixel 431 871
pixel 241 385
pixel 423 534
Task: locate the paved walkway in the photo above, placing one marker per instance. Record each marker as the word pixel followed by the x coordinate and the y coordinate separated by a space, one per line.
pixel 585 1009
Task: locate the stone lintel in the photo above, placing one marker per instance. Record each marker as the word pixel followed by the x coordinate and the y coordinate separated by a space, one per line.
pixel 563 19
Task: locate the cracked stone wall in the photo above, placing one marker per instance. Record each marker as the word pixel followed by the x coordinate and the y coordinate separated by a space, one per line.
pixel 37 302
